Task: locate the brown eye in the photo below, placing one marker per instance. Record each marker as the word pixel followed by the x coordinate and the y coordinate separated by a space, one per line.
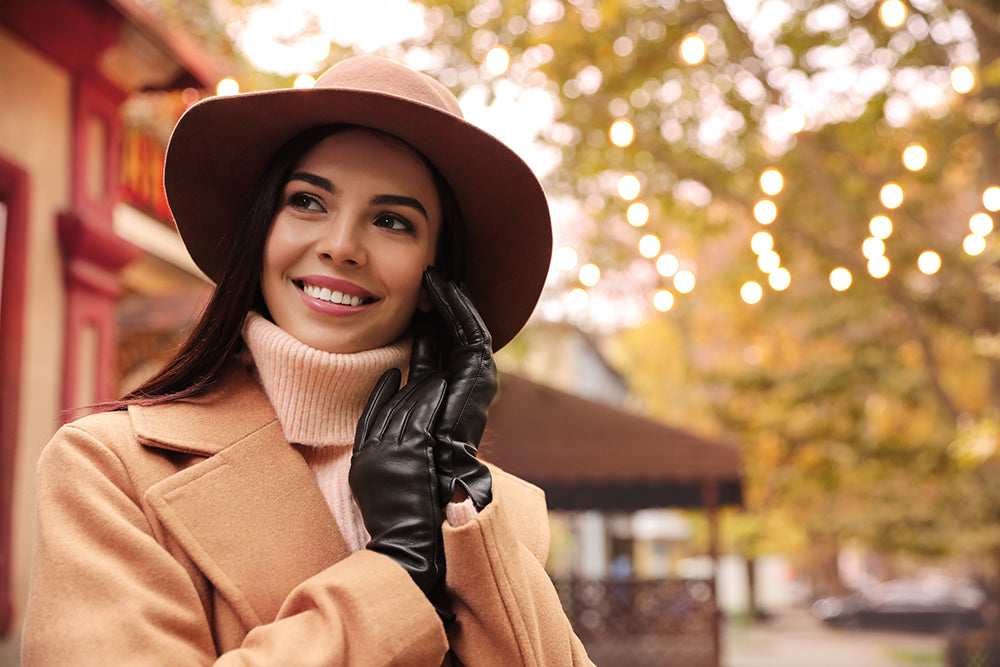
pixel 394 222
pixel 306 202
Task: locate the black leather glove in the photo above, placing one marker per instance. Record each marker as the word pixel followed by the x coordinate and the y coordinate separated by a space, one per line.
pixel 393 477
pixel 472 386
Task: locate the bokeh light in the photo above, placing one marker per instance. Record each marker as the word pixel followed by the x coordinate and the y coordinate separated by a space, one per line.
pixel 565 258
pixel 667 265
pixel 891 195
pixel 892 13
pixel 765 211
pixel 304 81
pixel 649 246
pixel 991 198
pixel 637 214
pixel 915 157
pixel 497 60
pixel 981 224
pixel 771 182
pixel 663 300
pixel 793 120
pixel 684 281
pixel 578 299
pixel 590 274
pixel 880 227
pixel 693 49
pixel 840 279
pixel 962 79
pixel 929 262
pixel 621 133
pixel 878 267
pixel 768 261
pixel 761 242
pixel 751 292
pixel 227 86
pixel 872 248
pixel 974 244
pixel 629 187
pixel 779 279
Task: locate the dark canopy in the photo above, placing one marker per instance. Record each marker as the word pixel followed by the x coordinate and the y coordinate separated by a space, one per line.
pixel 589 455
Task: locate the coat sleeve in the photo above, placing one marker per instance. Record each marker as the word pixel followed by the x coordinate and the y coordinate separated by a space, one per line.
pixel 106 591
pixel 507 609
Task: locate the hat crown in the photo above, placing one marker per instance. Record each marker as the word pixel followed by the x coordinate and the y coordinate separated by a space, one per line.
pixel 374 74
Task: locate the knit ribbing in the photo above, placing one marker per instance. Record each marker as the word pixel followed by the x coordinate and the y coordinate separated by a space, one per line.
pixel 317 395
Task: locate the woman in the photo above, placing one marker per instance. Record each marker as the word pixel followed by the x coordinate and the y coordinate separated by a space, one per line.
pixel 273 496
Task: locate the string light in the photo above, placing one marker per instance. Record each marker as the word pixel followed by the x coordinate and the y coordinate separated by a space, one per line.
pixel 929 262
pixel 693 49
pixel 765 211
pixel 991 198
pixel 751 292
pixel 637 214
pixel 962 79
pixel 663 301
pixel 840 279
pixel 497 60
pixel 227 86
pixel 771 182
pixel 891 195
pixel 761 242
pixel 793 120
pixel 981 224
pixel 779 279
pixel 872 248
pixel 878 267
pixel 880 227
pixel 915 157
pixel 629 187
pixel 649 246
pixel 684 281
pixel 892 13
pixel 565 258
pixel 590 274
pixel 621 133
pixel 304 81
pixel 578 299
pixel 667 265
pixel 974 244
pixel 768 261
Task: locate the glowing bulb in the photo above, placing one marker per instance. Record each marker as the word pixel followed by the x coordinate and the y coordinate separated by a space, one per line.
pixel 684 281
pixel 565 258
pixel 765 211
pixel 649 246
pixel 768 261
pixel 637 214
pixel 693 49
pixel 304 81
pixel 793 120
pixel 771 182
pixel 629 187
pixel 578 299
pixel 663 301
pixel 622 133
pixel 962 79
pixel 590 274
pixel 667 265
pixel 497 60
pixel 779 279
pixel 929 262
pixel 840 279
pixel 761 242
pixel 891 195
pixel 227 86
pixel 751 292
pixel 878 267
pixel 880 226
pixel 892 13
pixel 991 198
pixel 872 248
pixel 915 157
pixel 981 224
pixel 974 244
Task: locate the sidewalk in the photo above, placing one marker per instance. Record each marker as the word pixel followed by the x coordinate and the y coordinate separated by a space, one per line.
pixel 794 638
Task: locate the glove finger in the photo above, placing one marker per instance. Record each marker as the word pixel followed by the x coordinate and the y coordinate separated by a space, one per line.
pixel 386 387
pixel 425 357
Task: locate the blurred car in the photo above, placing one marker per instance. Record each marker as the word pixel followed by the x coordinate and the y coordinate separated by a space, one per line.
pixel 913 605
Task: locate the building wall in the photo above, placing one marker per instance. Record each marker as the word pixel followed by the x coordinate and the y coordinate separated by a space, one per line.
pixel 35 129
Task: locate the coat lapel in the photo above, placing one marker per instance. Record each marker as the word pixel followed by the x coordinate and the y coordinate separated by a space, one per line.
pixel 250 515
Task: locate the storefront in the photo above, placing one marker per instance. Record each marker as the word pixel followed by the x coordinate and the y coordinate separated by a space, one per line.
pixel 70 245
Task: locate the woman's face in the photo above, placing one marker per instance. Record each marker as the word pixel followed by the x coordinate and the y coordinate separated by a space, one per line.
pixel 357 224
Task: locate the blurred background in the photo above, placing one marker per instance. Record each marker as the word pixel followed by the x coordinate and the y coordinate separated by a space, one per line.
pixel 762 387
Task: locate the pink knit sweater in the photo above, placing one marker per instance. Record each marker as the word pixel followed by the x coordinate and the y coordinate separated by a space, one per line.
pixel 318 397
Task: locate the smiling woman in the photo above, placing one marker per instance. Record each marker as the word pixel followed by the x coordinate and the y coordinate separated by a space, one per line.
pixel 276 494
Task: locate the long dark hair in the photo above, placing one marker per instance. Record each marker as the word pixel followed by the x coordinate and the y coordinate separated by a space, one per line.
pixel 200 362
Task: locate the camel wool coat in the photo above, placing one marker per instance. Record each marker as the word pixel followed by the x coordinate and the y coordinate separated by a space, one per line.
pixel 193 533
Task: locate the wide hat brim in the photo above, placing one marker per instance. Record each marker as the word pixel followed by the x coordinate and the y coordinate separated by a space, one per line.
pixel 222 145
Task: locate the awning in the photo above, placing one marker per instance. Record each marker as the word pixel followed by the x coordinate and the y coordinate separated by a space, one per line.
pixel 589 455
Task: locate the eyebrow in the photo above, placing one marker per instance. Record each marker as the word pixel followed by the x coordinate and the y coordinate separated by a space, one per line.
pixel 376 200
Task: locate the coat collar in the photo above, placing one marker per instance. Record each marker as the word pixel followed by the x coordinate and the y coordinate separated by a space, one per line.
pixel 250 514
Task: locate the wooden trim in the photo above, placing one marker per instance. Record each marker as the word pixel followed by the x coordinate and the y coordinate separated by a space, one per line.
pixel 14 191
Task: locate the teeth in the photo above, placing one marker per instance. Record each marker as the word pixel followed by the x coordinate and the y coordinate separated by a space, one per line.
pixel 330 296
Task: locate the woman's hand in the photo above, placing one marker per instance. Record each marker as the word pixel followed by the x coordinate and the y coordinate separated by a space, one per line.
pixel 472 386
pixel 393 476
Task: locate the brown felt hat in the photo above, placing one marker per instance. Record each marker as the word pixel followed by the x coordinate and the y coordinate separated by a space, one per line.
pixel 222 145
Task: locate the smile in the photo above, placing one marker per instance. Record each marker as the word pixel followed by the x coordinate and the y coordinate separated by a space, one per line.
pixel 334 296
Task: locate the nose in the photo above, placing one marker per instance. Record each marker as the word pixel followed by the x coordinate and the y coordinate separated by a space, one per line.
pixel 342 243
